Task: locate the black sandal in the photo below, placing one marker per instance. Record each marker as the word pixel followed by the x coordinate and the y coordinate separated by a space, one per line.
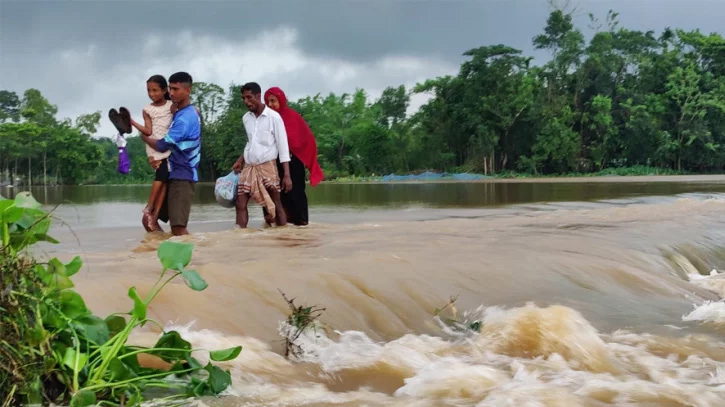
pixel 118 121
pixel 126 116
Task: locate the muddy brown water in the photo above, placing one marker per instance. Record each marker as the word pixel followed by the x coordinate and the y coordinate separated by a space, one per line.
pixel 592 292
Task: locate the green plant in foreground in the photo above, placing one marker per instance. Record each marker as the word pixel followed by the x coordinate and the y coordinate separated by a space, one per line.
pixel 52 347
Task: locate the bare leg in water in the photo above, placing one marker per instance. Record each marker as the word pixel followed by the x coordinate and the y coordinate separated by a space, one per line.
pixel 179 230
pixel 151 211
pixel 269 219
pixel 281 214
pixel 242 212
pixel 158 193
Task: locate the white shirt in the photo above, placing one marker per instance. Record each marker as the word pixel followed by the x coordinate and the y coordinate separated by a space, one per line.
pixel 267 138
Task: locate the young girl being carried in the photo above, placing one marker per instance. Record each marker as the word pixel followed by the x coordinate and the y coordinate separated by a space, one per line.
pixel 157 117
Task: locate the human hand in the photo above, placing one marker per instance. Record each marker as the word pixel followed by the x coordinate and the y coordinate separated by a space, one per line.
pixel 237 167
pixel 287 184
pixel 155 164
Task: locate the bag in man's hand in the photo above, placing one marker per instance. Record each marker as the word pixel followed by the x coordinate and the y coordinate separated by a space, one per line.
pixel 225 190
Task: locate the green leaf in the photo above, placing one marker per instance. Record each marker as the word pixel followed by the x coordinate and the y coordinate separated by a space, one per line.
pixel 198 388
pixel 41 227
pixel 72 304
pixel 193 280
pixel 25 200
pixel 83 398
pixel 139 307
pixel 52 317
pixel 37 335
pixel 5 204
pixel 56 282
pixel 74 360
pixel 120 371
pixel 56 267
pixel 42 237
pixel 5 233
pixel 175 255
pixel 74 266
pixel 131 362
pixel 93 328
pixel 224 355
pixel 30 217
pixel 193 363
pixel 218 379
pixel 115 324
pixel 12 214
pixel 134 399
pixel 173 340
pixel 59 347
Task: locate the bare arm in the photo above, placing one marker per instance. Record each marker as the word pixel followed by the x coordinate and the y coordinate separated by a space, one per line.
pixel 150 141
pixel 280 134
pixel 239 164
pixel 287 179
pixel 146 129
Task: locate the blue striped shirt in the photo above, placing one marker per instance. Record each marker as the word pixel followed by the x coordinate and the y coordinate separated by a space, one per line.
pixel 184 141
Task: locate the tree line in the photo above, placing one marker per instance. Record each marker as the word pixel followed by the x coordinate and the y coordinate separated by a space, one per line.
pixel 621 99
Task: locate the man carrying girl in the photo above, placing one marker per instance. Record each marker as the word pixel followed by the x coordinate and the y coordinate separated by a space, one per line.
pixel 183 140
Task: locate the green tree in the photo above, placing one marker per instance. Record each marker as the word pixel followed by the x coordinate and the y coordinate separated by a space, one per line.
pixel 9 106
pixel 35 108
pixel 209 98
pixel 689 107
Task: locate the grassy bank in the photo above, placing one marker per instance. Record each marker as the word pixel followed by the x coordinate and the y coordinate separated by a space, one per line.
pixel 609 172
pixel 339 177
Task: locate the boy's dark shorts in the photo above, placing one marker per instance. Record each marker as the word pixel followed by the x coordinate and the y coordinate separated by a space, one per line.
pixel 162 173
pixel 180 195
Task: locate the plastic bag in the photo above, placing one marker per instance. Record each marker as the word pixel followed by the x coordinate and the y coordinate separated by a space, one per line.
pixel 225 190
pixel 124 163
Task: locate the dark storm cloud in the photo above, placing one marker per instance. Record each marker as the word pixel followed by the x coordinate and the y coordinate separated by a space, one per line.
pixel 89 55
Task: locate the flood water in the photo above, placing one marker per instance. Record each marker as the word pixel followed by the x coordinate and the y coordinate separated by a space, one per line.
pixel 596 292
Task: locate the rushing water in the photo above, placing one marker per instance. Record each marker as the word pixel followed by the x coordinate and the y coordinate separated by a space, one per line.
pixel 591 293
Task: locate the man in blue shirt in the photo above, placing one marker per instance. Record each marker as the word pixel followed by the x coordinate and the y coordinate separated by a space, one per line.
pixel 184 141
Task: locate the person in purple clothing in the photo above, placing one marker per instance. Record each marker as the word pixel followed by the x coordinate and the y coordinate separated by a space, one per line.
pixel 184 142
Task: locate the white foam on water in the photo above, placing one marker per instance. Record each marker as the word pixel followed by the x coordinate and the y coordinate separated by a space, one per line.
pixel 709 311
pixel 526 356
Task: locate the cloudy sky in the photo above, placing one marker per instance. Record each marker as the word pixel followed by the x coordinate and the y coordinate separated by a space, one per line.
pixel 93 55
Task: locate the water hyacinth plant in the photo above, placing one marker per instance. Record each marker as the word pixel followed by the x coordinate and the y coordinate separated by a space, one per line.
pixel 53 349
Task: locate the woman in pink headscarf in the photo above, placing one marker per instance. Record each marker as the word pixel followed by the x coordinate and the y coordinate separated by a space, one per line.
pixel 303 153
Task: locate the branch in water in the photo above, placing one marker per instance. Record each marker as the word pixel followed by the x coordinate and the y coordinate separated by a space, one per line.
pixel 301 318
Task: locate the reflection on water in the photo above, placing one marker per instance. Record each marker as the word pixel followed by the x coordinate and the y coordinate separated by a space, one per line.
pixel 442 194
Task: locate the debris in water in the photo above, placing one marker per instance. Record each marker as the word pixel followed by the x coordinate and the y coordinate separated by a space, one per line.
pixel 459 325
pixel 301 319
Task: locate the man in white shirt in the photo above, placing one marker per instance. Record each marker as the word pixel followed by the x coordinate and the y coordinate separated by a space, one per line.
pixel 266 140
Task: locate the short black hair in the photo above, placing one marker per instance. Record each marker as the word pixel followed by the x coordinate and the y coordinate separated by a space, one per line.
pixel 252 87
pixel 181 77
